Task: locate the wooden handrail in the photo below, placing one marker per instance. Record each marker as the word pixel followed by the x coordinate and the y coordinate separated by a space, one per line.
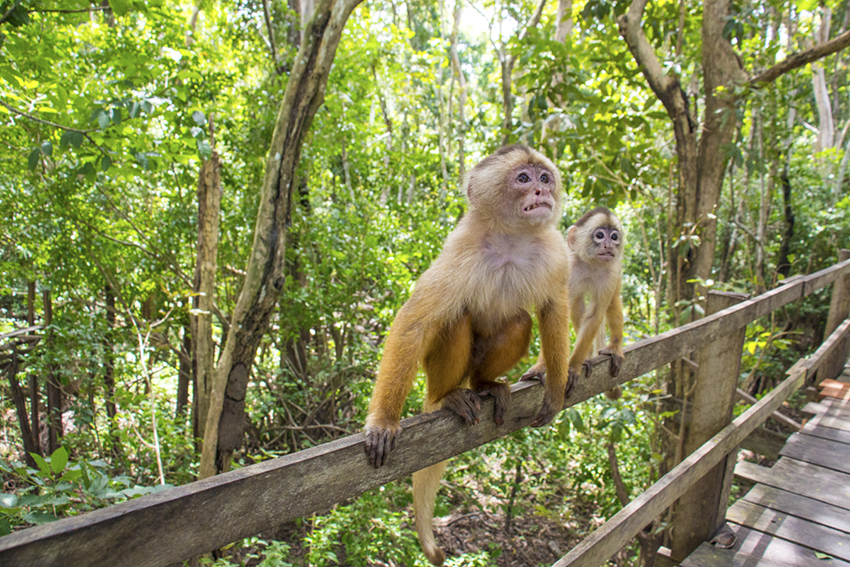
pixel 625 524
pixel 185 521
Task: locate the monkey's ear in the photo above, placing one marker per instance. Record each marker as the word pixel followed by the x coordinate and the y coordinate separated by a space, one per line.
pixel 571 237
pixel 469 188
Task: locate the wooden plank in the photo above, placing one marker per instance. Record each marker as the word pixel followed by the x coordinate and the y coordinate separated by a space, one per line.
pixel 715 381
pixel 834 517
pixel 818 451
pixel 756 548
pixel 835 389
pixel 828 433
pixel 828 347
pixel 825 277
pixel 619 530
pixel 800 478
pixel 839 309
pixel 776 416
pixel 791 528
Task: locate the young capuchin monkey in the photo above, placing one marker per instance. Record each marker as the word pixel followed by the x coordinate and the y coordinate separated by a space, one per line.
pixel 467 321
pixel 595 245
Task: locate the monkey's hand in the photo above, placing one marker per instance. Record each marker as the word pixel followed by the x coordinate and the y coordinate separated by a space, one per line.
pixel 536 372
pixel 572 380
pixel 381 437
pixel 465 403
pixel 617 359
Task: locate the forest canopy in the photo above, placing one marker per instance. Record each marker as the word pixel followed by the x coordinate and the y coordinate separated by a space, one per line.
pixel 212 211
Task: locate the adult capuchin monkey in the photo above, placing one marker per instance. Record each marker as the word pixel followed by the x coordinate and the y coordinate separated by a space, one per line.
pixel 595 245
pixel 467 320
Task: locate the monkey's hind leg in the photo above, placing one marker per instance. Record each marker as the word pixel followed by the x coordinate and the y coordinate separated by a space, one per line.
pixel 446 362
pixel 495 354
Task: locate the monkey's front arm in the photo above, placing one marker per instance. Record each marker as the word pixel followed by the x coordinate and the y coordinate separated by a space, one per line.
pixel 395 379
pixel 553 320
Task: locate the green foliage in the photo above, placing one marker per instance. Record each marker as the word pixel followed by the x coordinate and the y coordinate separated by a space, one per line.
pixel 59 488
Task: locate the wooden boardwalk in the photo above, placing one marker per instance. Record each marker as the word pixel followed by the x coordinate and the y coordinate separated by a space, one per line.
pixel 798 512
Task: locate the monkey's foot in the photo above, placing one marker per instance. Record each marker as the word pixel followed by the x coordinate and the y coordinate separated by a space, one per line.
pixel 502 395
pixel 617 360
pixel 547 412
pixel 380 440
pixel 587 366
pixel 465 403
pixel 536 372
pixel 572 380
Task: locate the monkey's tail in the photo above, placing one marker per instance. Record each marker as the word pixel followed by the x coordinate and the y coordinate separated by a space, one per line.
pixel 425 485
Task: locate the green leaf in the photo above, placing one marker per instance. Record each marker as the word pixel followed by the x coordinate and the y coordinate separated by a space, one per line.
pixel 120 7
pixel 820 555
pixel 39 518
pixel 33 159
pixel 5 528
pixel 115 115
pixel 204 149
pixel 59 459
pixel 103 119
pixel 47 149
pixel 105 162
pixel 74 139
pixel 42 464
pixel 199 118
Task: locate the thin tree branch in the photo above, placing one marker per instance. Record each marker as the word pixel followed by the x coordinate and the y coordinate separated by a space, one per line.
pixel 272 45
pixel 55 125
pixel 9 11
pixel 800 59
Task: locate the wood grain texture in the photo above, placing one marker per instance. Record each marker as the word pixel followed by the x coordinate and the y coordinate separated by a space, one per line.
pixel 818 451
pixel 753 549
pixel 836 517
pixel 790 528
pixel 619 530
pixel 801 478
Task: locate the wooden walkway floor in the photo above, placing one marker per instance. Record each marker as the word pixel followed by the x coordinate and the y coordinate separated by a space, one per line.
pixel 798 513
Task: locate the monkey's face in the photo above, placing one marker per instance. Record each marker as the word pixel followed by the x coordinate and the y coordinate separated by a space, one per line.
pixel 535 188
pixel 607 240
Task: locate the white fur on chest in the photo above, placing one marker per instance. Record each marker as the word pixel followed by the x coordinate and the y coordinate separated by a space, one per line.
pixel 508 275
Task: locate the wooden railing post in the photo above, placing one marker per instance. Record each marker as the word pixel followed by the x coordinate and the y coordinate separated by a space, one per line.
pixel 701 509
pixel 839 308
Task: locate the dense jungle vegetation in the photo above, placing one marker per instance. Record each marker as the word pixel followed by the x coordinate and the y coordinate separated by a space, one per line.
pixel 173 220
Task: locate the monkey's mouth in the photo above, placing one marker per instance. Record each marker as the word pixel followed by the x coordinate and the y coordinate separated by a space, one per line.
pixel 534 206
pixel 606 255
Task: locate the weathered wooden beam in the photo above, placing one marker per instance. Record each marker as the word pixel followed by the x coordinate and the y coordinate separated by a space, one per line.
pixel 839 309
pixel 714 395
pixel 620 529
pixel 776 416
pixel 204 515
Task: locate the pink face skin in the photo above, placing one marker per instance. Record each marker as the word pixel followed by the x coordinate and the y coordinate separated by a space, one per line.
pixel 607 240
pixel 535 183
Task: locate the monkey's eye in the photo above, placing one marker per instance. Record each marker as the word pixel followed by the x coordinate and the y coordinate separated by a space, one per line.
pixel 544 178
pixel 599 235
pixel 615 236
pixel 523 178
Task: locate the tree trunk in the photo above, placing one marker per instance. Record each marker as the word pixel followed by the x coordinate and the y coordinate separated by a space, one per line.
pixel 34 424
pixel 54 388
pixel 461 95
pixel 184 373
pixel 30 447
pixel 265 271
pixel 203 349
pixel 109 373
